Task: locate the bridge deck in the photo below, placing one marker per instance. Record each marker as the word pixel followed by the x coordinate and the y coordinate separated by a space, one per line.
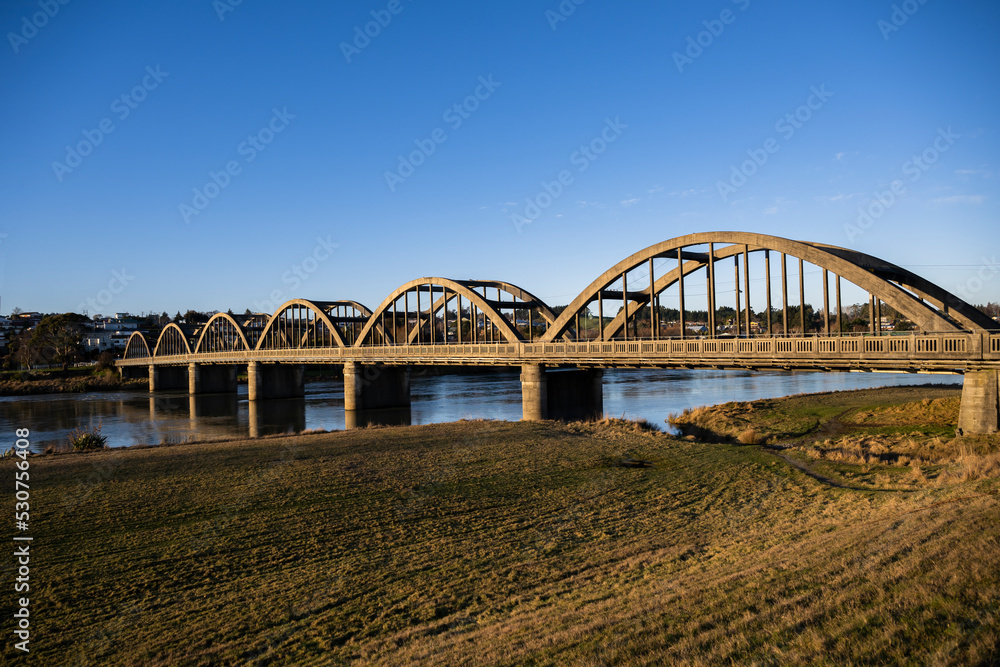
pixel 920 353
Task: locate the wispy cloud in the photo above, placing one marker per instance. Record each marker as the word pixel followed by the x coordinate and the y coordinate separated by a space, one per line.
pixel 960 199
pixel 656 189
pixel 840 196
pixel 629 202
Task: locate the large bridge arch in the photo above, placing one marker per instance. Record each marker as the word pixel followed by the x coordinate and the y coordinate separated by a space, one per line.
pixel 173 341
pixel 222 333
pixel 300 324
pixel 137 347
pixel 437 294
pixel 928 306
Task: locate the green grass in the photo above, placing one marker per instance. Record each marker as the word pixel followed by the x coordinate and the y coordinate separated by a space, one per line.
pixel 500 543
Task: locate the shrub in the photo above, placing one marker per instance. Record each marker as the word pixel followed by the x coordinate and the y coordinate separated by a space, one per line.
pixel 82 440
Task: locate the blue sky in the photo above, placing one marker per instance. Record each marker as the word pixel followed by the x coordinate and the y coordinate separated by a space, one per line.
pixel 209 85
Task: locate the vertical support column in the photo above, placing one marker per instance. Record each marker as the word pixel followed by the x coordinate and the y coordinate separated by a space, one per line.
pixel 736 270
pixel 784 294
pixel 840 310
pixel 253 380
pixel 746 283
pixel 371 387
pixel 534 392
pixel 567 394
pixel 802 296
pixel 194 379
pixel 980 406
pixel 211 379
pixel 652 306
pixel 275 380
pixel 711 289
pixel 826 301
pixel 871 313
pixel 680 291
pixel 600 313
pixel 154 377
pixel 767 282
pixel 625 307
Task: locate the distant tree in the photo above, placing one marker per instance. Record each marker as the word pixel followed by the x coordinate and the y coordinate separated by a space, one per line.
pixel 231 313
pixel 247 313
pixel 178 317
pixel 57 338
pixel 195 317
pixel 15 312
pixel 22 352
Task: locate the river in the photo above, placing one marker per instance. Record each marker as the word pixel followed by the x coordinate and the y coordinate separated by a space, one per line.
pixel 133 418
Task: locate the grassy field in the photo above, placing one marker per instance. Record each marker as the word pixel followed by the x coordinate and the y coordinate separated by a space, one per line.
pixel 527 543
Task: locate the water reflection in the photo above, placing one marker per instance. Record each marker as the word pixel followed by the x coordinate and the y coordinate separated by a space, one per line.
pixel 130 418
pixel 384 417
pixel 285 415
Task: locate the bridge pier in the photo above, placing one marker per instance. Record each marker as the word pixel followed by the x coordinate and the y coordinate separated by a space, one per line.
pixel 164 378
pixel 980 407
pixel 211 379
pixel 275 380
pixel 134 372
pixel 370 387
pixel 566 394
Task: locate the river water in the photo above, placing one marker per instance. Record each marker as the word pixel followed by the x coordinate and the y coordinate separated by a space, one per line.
pixel 132 417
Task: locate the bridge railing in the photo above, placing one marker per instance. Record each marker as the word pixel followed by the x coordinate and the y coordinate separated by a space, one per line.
pixel 814 350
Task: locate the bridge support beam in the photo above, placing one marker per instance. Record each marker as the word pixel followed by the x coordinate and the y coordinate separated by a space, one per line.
pixel 275 380
pixel 211 379
pixel 980 407
pixel 566 394
pixel 370 387
pixel 165 378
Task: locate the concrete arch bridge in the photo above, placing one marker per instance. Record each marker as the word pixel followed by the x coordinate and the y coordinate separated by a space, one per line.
pixel 708 300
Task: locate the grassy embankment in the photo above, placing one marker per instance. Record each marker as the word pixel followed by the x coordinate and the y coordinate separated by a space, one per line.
pixel 73 380
pixel 514 543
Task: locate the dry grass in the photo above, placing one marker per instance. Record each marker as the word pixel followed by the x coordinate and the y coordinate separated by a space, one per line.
pixel 498 543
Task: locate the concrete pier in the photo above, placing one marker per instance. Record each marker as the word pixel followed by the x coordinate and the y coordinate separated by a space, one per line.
pixel 211 378
pixel 980 407
pixel 165 378
pixel 133 372
pixel 275 380
pixel 566 394
pixel 371 387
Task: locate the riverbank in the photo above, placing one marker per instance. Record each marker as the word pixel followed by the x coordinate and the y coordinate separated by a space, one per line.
pixel 506 543
pixel 72 381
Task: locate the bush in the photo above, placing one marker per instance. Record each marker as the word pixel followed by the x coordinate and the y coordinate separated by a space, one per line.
pixel 105 361
pixel 82 440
